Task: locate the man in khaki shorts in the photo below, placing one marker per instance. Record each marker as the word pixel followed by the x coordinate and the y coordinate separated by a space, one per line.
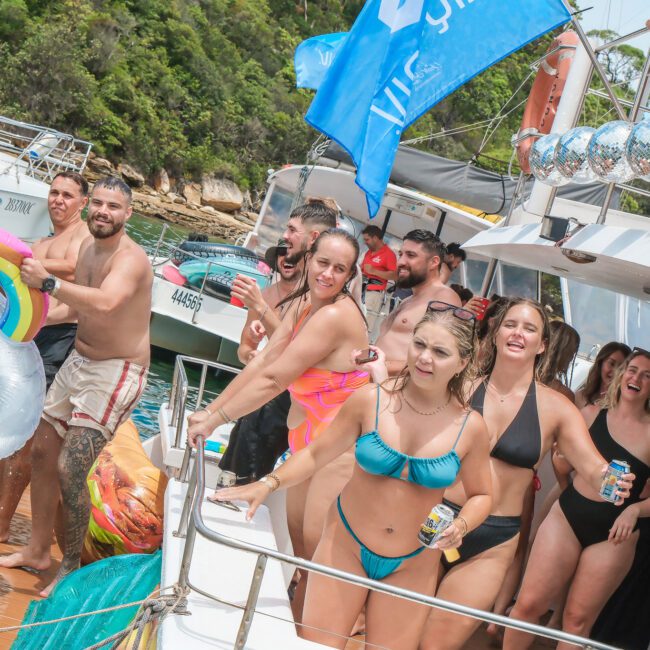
pixel 100 382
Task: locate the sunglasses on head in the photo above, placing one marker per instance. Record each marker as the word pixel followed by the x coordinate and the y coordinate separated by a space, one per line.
pixel 459 312
pixel 638 351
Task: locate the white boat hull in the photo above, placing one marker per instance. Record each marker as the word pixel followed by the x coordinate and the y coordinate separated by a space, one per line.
pixel 23 204
pixel 186 322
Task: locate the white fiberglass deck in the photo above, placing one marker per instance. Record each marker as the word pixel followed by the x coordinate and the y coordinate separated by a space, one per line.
pixel 225 573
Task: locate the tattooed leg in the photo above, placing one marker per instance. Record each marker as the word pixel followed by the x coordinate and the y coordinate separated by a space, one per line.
pixel 80 449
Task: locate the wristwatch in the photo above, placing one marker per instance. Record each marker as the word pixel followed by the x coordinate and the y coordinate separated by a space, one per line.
pixel 50 285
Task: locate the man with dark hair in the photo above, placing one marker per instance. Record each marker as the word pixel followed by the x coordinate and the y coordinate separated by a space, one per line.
pixel 261 437
pixel 378 266
pixel 99 384
pixel 306 223
pixel 418 269
pixel 66 200
pixel 453 259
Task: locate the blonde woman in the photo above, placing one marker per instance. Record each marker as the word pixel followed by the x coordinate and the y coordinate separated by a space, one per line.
pixel 585 540
pixel 413 436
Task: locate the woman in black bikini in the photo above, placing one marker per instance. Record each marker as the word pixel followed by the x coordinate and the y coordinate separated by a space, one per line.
pixel 524 418
pixel 585 537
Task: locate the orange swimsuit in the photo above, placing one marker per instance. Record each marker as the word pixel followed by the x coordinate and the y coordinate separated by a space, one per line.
pixel 321 393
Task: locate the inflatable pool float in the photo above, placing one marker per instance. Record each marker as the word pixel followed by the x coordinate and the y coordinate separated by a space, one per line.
pixel 222 271
pixel 26 308
pixel 127 499
pixel 22 378
pixel 190 250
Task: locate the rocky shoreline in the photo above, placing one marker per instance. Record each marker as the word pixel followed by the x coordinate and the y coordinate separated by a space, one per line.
pixel 215 207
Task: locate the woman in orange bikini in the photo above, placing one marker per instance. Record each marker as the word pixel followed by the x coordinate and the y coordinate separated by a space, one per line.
pixel 310 354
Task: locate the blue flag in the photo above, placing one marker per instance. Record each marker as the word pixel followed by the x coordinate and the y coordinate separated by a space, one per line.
pixel 314 57
pixel 403 56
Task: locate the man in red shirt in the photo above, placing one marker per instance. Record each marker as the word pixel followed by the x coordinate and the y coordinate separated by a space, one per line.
pixel 379 265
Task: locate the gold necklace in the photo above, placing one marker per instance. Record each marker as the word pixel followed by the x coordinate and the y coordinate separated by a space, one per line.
pixel 442 407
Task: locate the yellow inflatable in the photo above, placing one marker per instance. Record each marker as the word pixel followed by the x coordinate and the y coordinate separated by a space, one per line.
pixel 127 494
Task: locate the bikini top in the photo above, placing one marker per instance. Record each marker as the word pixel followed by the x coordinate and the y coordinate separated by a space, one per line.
pixel 521 443
pixel 611 450
pixel 376 457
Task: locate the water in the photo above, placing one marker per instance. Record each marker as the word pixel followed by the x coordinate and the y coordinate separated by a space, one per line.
pixel 146 232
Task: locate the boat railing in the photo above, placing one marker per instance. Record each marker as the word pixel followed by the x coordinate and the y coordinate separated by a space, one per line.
pixel 181 390
pixel 39 152
pixel 191 522
pixel 165 250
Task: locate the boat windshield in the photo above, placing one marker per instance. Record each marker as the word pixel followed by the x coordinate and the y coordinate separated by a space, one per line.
pixel 602 316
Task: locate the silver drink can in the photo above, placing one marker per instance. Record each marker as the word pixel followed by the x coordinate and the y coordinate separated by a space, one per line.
pixel 614 472
pixel 438 520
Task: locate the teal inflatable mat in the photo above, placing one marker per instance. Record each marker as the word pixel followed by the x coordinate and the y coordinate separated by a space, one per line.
pixel 107 583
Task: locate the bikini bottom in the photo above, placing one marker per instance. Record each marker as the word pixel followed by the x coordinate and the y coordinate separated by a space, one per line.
pixel 493 531
pixel 590 520
pixel 377 567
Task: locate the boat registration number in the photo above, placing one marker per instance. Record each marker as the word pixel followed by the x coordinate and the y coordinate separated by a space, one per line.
pixel 187 299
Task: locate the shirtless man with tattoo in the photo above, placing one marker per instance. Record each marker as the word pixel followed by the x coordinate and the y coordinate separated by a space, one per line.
pixel 66 200
pixel 99 384
pixel 418 268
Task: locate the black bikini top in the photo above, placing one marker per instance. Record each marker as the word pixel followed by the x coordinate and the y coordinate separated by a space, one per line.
pixel 611 450
pixel 521 443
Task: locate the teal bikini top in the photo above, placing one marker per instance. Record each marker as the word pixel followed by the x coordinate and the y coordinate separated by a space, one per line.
pixel 376 457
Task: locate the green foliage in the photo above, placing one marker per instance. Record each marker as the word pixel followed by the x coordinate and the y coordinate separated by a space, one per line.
pixel 208 86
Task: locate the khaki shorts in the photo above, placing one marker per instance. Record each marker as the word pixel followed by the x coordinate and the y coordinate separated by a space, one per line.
pixel 93 394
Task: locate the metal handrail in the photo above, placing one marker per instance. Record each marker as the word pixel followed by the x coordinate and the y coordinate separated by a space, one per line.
pixel 170 248
pixel 181 388
pixel 41 152
pixel 195 524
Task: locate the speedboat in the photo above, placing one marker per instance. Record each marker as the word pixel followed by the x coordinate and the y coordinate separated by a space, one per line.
pixel 30 157
pixel 189 319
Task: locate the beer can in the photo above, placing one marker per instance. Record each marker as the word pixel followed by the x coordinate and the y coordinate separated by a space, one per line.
pixel 614 472
pixel 438 520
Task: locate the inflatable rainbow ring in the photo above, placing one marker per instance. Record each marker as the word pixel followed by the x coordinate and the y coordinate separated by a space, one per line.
pixel 26 308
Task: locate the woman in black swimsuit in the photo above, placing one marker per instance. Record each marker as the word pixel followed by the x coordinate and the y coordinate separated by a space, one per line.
pixel 524 418
pixel 585 537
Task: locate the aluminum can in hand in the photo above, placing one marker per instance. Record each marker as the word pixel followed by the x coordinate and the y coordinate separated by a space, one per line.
pixel 609 486
pixel 439 519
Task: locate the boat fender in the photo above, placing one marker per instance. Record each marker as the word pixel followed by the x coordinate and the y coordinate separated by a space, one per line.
pixel 26 308
pixel 545 95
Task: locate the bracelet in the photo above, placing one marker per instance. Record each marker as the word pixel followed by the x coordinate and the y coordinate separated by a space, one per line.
pixel 264 313
pixel 464 521
pixel 206 409
pixel 271 478
pixel 224 416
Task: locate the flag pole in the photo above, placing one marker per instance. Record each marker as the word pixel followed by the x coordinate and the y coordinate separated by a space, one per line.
pixel 584 39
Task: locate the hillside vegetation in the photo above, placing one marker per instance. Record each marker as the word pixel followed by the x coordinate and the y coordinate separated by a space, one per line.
pixel 207 86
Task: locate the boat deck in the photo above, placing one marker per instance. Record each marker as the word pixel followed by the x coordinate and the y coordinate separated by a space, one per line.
pixel 17 587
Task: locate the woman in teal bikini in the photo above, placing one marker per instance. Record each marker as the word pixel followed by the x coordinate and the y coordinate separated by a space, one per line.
pixel 413 437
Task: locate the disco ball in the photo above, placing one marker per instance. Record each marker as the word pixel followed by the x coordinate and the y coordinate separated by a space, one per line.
pixel 606 152
pixel 571 155
pixel 541 161
pixel 637 150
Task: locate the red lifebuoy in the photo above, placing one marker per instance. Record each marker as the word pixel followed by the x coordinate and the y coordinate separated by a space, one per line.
pixel 545 95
